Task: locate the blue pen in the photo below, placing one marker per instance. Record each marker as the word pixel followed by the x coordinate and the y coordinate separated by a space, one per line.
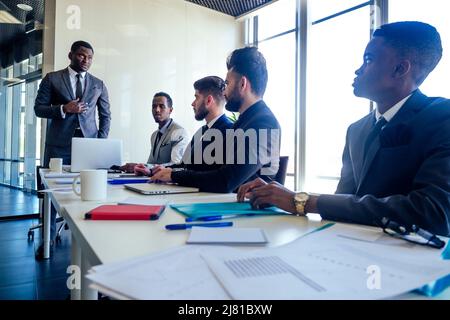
pixel 183 226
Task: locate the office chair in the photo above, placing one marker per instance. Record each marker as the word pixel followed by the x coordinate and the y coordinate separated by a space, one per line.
pixel 40 195
pixel 280 177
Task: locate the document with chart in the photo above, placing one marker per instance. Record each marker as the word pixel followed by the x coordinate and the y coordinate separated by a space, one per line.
pixel 341 262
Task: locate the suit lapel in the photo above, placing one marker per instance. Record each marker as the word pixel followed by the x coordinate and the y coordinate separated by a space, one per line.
pixel 413 105
pixel 87 86
pixel 66 81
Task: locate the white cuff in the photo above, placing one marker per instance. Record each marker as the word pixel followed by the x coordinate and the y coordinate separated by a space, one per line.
pixel 63 115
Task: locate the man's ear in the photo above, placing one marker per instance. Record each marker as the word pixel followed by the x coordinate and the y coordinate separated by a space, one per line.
pixel 402 69
pixel 209 100
pixel 243 83
pixel 70 55
pixel 171 109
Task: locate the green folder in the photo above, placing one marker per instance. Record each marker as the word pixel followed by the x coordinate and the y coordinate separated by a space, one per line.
pixel 200 210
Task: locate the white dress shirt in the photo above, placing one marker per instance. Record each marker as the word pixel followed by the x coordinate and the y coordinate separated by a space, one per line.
pixel 392 111
pixel 73 83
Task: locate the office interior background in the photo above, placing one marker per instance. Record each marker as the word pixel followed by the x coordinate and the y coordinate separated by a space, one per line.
pixel 145 46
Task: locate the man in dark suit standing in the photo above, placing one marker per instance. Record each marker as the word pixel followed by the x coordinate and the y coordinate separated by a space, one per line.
pixel 70 99
pixel 396 161
pixel 200 155
pixel 252 145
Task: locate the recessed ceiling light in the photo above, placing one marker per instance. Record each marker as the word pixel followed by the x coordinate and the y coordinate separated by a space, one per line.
pixel 24 7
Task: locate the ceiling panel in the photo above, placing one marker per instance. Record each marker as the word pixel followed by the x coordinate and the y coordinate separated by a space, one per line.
pixel 9 32
pixel 233 8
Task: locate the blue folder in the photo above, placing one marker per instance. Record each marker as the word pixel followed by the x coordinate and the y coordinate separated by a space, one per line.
pixel 436 287
pixel 127 181
pixel 200 210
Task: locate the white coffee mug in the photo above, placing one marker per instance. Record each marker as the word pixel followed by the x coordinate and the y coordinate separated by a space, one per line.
pixel 56 165
pixel 93 185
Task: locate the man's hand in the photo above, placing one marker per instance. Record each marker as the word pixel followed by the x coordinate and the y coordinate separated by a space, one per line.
pixel 244 190
pixel 74 107
pixel 157 168
pixel 142 170
pixel 163 175
pixel 128 167
pixel 273 194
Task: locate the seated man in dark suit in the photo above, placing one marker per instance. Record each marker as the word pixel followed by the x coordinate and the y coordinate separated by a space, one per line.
pixel 252 145
pixel 396 161
pixel 209 106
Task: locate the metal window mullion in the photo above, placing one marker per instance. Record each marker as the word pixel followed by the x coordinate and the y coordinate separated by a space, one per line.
pixel 302 25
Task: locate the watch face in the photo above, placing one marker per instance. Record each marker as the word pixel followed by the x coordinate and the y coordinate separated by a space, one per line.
pixel 301 196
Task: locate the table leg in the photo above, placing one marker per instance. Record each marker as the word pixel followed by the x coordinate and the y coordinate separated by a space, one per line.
pixel 86 292
pixel 75 294
pixel 46 226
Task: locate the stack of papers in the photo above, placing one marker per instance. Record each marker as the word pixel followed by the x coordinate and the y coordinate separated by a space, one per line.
pixel 340 262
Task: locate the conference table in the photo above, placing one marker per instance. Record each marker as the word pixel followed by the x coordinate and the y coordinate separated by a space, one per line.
pixel 102 242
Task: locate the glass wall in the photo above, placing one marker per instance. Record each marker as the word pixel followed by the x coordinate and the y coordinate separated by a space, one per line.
pixel 337 34
pixel 20 131
pixel 335 49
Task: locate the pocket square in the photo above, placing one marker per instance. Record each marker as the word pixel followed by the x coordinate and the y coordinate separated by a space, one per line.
pixel 395 136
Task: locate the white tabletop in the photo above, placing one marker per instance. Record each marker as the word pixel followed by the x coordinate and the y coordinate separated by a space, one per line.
pixel 110 241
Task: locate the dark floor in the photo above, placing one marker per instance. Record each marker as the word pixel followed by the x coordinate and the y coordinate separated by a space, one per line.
pixel 21 276
pixel 16 203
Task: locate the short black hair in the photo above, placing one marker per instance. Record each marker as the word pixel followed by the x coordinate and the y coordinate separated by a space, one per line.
pixel 77 44
pixel 250 63
pixel 418 41
pixel 163 94
pixel 211 85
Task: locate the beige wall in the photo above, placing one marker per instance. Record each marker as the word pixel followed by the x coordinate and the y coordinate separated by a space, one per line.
pixel 145 46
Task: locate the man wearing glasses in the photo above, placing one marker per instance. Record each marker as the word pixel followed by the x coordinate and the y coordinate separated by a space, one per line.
pixel 396 161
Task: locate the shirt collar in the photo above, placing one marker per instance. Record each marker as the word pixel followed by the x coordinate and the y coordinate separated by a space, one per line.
pixel 166 126
pixel 211 123
pixel 389 114
pixel 73 73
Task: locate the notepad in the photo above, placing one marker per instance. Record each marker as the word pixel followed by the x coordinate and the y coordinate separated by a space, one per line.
pixel 125 212
pixel 227 236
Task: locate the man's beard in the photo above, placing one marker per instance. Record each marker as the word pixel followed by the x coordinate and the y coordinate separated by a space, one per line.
pixel 201 113
pixel 234 102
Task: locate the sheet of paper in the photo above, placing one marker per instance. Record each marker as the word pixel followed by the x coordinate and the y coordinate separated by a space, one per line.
pixel 174 274
pixel 227 236
pixel 52 175
pixel 57 190
pixel 145 201
pixel 336 263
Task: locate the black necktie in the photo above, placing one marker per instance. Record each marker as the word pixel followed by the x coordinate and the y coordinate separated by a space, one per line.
pixel 374 134
pixel 79 88
pixel 158 137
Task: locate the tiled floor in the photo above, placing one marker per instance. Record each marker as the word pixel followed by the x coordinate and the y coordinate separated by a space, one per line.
pixel 14 202
pixel 21 276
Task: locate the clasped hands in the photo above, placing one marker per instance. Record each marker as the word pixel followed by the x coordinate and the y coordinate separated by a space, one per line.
pixel 157 173
pixel 75 106
pixel 262 194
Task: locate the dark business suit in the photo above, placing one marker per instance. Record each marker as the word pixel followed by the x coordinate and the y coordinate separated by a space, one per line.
pixel 235 172
pixel 405 175
pixel 56 90
pixel 221 125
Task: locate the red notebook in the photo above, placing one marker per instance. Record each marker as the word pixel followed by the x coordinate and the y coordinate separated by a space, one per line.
pixel 125 212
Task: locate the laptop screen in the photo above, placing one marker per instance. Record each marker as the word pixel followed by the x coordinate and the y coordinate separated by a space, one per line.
pixel 90 153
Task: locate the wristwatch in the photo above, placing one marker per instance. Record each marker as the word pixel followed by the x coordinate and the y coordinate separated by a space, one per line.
pixel 300 199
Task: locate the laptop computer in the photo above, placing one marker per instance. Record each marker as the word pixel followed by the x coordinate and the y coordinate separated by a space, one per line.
pixel 158 189
pixel 88 153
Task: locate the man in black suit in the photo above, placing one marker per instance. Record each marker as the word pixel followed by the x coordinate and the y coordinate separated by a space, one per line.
pixel 252 145
pixel 70 99
pixel 396 161
pixel 200 155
